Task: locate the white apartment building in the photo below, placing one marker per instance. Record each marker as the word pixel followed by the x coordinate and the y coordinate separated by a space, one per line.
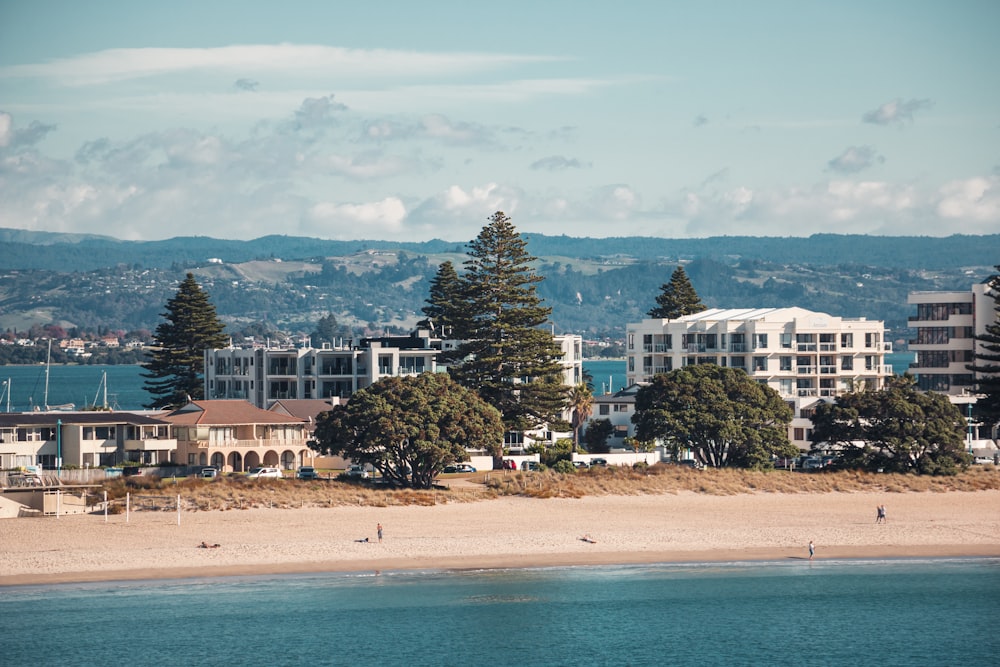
pixel 265 375
pixel 946 323
pixel 805 356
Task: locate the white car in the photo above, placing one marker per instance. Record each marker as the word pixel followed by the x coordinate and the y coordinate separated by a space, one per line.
pixel 265 473
pixel 356 470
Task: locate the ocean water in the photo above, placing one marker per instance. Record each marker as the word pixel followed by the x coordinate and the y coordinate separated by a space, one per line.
pixel 82 386
pixel 796 612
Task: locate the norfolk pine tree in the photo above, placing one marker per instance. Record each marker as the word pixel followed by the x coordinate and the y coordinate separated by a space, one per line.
pixel 510 361
pixel 677 298
pixel 446 308
pixel 177 363
pixel 987 364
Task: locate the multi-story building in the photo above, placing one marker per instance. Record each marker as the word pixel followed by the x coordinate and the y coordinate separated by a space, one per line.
pixel 234 436
pixel 83 439
pixel 805 356
pixel 265 375
pixel 946 324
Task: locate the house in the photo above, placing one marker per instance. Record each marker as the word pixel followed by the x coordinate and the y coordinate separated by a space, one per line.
pixel 805 356
pixel 87 439
pixel 234 436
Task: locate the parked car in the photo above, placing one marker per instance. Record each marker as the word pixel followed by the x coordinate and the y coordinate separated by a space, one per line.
pixel 598 462
pixel 581 465
pixel 356 471
pixel 530 466
pixel 265 473
pixel 209 473
pixel 307 472
pixel 982 460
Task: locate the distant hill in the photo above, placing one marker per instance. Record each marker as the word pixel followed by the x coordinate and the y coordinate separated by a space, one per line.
pixel 594 286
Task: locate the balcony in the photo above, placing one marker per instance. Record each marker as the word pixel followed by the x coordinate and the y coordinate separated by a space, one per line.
pixel 806 392
pixel 151 444
pixel 806 370
pixel 805 347
pixel 827 347
pixel 738 347
pixel 827 370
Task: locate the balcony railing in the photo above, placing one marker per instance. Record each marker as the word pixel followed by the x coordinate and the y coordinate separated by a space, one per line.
pixel 806 370
pixel 827 370
pixel 805 347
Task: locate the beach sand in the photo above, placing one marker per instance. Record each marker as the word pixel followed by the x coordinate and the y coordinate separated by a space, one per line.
pixel 501 533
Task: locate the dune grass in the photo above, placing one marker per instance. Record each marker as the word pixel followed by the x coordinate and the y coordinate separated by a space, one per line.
pixel 236 492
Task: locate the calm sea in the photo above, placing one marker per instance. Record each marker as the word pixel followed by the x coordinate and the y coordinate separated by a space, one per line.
pixel 858 613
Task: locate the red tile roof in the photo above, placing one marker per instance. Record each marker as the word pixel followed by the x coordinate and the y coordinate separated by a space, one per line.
pixel 226 413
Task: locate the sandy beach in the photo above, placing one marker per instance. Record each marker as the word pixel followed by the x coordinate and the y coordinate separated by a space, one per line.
pixel 506 532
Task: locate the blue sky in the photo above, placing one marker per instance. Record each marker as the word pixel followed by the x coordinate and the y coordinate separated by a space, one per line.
pixel 417 120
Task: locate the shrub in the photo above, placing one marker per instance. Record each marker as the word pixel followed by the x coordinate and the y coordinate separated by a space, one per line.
pixel 564 466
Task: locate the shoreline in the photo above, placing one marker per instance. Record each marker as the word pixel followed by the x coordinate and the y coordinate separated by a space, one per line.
pixel 510 532
pixel 498 563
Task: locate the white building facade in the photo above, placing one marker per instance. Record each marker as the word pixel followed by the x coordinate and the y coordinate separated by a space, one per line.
pixel 946 324
pixel 805 356
pixel 264 375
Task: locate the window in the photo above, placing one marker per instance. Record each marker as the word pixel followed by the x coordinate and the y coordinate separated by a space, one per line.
pixel 760 363
pixel 847 363
pixel 799 433
pixel 604 409
pixel 785 363
pixel 760 341
pixel 786 340
pixel 846 340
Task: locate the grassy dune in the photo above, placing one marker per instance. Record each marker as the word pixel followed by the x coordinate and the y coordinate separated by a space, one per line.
pixel 240 493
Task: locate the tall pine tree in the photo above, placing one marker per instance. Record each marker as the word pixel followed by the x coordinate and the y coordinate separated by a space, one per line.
pixel 177 364
pixel 987 363
pixel 511 360
pixel 677 298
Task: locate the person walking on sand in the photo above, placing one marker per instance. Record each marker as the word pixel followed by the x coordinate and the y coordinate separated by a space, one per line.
pixel 379 530
pixel 880 514
pixel 812 549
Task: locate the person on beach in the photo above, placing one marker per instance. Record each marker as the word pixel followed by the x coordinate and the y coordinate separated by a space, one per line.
pixel 379 530
pixel 812 549
pixel 880 514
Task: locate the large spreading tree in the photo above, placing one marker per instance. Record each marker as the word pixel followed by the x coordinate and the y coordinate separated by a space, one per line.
pixel 508 355
pixel 722 414
pixel 410 427
pixel 987 363
pixel 175 370
pixel 897 428
pixel 677 298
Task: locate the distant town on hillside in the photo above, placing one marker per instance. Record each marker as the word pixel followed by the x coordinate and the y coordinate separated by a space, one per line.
pixel 91 286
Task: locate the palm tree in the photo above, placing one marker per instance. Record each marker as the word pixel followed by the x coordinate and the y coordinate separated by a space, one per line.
pixel 581 401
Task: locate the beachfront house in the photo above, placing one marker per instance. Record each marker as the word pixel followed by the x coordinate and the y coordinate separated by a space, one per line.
pixel 87 439
pixel 235 436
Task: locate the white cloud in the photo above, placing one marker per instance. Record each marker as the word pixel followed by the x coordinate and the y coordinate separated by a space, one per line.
pixel 895 111
pixel 854 159
pixel 114 65
pixel 976 199
pixel 374 220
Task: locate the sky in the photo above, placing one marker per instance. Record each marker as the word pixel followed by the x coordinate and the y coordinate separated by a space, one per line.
pixel 418 120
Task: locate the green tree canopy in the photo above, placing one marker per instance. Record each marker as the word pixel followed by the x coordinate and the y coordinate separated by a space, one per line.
pixel 328 330
pixel 507 355
pixel 595 438
pixel 409 428
pixel 722 414
pixel 896 428
pixel 177 362
pixel 581 402
pixel 987 363
pixel 677 298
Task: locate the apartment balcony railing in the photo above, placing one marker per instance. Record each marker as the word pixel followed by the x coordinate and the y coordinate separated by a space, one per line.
pixel 806 370
pixel 275 443
pixel 647 347
pixel 694 348
pixel 661 347
pixel 807 392
pixel 827 392
pixel 737 347
pixel 827 347
pixel 151 444
pixel 827 370
pixel 805 347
